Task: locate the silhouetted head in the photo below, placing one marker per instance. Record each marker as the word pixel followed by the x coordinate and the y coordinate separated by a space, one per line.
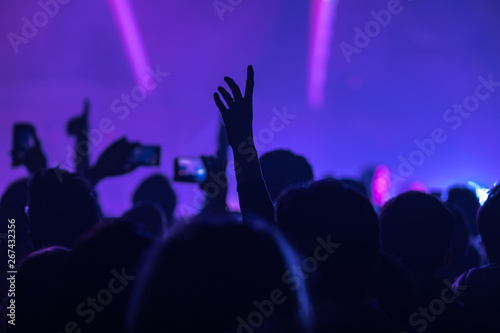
pixel 463 253
pixel 220 276
pixel 416 230
pixel 149 216
pixel 12 206
pixel 36 283
pixel 329 212
pixel 157 189
pixel 61 206
pixel 488 223
pixel 460 238
pixel 102 269
pixel 356 185
pixel 282 168
pixel 467 200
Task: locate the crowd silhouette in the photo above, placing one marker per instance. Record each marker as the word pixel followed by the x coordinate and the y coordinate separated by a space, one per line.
pixel 304 255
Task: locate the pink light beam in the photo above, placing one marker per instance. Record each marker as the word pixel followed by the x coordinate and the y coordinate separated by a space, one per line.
pixel 131 38
pixel 381 184
pixel 323 14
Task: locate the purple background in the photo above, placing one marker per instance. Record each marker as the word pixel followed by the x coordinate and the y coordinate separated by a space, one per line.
pixel 394 91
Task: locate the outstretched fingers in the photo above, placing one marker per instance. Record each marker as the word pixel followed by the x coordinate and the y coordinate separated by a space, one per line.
pixel 227 97
pixel 222 108
pixel 250 83
pixel 234 88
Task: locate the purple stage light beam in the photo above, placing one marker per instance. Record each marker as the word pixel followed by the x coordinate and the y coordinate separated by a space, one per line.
pixel 131 38
pixel 323 14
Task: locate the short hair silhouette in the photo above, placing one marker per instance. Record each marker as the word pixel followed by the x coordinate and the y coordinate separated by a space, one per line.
pixel 209 275
pixel 62 206
pixel 488 223
pixel 282 168
pixel 416 229
pixel 330 210
pixel 467 200
pixel 37 280
pixel 356 185
pixel 149 216
pixel 102 267
pixel 464 254
pixel 12 205
pixel 157 189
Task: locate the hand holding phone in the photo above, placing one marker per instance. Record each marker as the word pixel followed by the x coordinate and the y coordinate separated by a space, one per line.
pixel 189 169
pixel 26 148
pixel 77 125
pixel 122 157
pixel 144 155
pixel 23 141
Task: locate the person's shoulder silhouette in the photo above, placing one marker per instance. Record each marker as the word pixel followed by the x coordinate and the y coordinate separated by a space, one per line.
pixel 96 286
pixel 37 280
pixel 482 293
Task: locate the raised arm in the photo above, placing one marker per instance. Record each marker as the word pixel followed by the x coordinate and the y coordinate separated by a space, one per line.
pixel 77 127
pixel 238 117
pixel 112 161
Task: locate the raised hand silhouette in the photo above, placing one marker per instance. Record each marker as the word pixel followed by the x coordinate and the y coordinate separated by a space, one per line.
pixel 78 127
pixel 35 159
pixel 31 156
pixel 238 115
pixel 79 123
pixel 113 161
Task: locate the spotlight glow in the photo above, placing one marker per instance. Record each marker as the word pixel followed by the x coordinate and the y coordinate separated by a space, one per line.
pixel 481 191
pixel 418 186
pixel 323 13
pixel 381 184
pixel 131 37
